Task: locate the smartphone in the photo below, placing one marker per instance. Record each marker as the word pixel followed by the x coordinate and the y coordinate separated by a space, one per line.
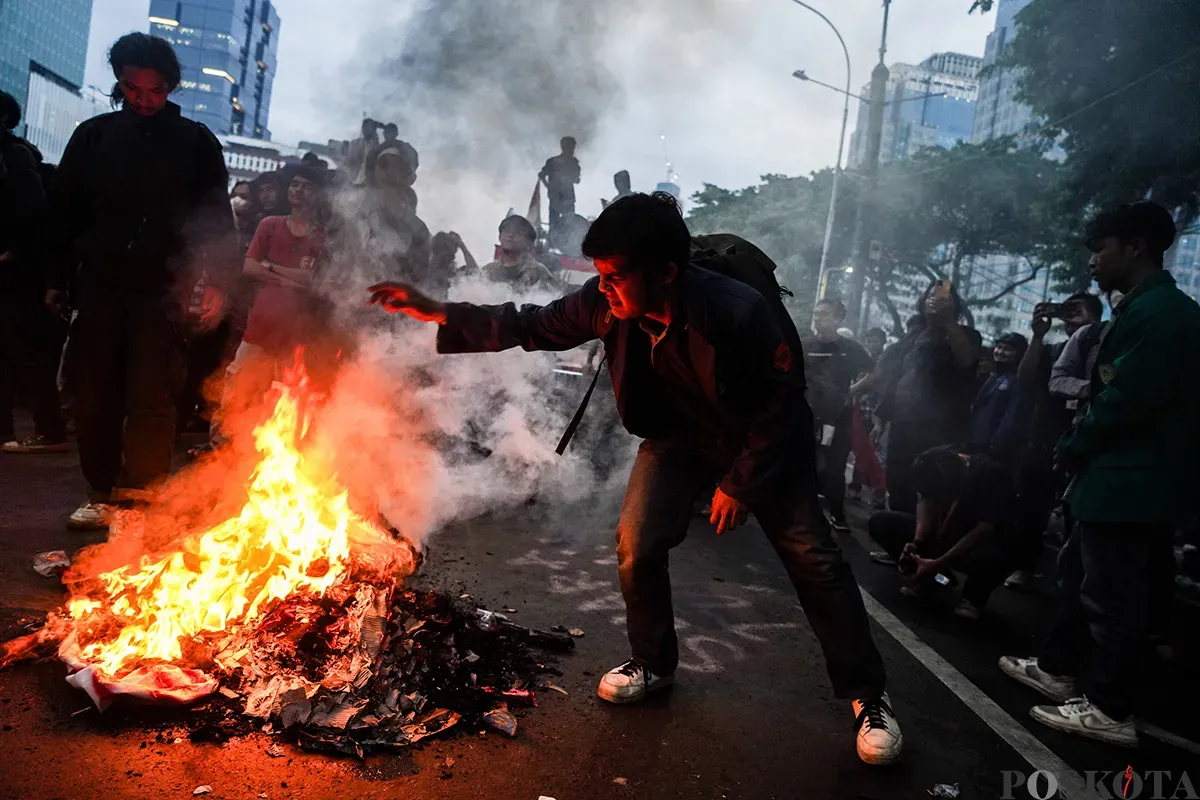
pixel 943 289
pixel 1053 309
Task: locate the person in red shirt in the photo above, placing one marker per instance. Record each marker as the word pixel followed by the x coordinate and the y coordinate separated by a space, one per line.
pixel 283 258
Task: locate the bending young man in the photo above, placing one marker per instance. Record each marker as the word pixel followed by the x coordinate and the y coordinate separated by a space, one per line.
pixel 702 373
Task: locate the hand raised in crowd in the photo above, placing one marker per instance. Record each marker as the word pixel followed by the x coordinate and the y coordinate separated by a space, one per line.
pixel 399 298
pixel 727 513
pixel 1040 325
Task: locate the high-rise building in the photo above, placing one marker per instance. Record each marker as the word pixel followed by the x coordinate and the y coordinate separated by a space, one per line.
pixel 227 49
pixel 43 50
pixel 931 104
pixel 999 113
pixel 1183 262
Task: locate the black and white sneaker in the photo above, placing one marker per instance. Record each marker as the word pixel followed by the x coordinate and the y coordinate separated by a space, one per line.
pixel 1059 688
pixel 1080 717
pixel 879 738
pixel 839 525
pixel 881 557
pixel 630 683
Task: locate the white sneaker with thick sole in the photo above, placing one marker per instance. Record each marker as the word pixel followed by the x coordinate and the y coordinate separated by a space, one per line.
pixel 91 517
pixel 1079 716
pixel 879 739
pixel 630 683
pixel 1059 688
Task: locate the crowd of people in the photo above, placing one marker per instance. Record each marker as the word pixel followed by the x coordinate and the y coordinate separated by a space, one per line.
pixel 981 452
pixel 137 251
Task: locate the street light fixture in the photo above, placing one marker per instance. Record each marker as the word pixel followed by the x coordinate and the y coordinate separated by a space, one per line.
pixel 837 172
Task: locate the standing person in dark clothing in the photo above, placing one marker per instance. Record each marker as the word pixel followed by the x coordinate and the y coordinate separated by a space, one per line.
pixel 140 206
pixel 1038 485
pixel 701 369
pixel 560 174
pixel 356 156
pixel 926 383
pixel 1001 412
pixel 1133 464
pixel 31 335
pixel 623 185
pixel 443 262
pixel 832 364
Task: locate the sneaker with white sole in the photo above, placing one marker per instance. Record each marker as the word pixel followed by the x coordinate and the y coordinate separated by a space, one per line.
pixel 839 525
pixel 881 557
pixel 1079 716
pixel 879 738
pixel 91 517
pixel 967 610
pixel 630 683
pixel 1020 579
pixel 36 443
pixel 1059 688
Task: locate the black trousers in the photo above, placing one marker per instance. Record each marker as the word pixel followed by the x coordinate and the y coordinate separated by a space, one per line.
pixel 906 441
pixel 666 479
pixel 31 341
pixel 1106 579
pixel 986 567
pixel 1038 487
pixel 833 466
pixel 128 356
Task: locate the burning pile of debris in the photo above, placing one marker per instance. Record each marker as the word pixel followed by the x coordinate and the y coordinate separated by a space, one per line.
pixel 296 608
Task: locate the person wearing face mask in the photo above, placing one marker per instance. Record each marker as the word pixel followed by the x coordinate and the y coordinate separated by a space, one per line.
pixel 1001 411
pixel 140 215
pixel 702 370
pixel 1132 464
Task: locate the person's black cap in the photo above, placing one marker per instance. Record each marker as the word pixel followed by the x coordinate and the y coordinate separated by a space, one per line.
pixel 1144 220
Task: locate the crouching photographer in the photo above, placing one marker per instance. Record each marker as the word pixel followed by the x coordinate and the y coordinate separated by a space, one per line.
pixel 961 524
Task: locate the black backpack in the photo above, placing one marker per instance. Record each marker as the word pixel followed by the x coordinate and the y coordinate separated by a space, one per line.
pixel 733 257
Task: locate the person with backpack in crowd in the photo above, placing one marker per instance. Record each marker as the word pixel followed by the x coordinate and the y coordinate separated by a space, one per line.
pixel 1038 484
pixel 139 212
pixel 703 371
pixel 1133 467
pixel 833 362
pixel 31 335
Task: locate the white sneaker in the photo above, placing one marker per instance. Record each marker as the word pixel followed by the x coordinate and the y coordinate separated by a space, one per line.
pixel 1059 688
pixel 879 738
pixel 966 610
pixel 1019 579
pixel 1080 717
pixel 91 517
pixel 630 683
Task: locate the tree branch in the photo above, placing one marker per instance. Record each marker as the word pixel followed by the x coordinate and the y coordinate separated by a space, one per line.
pixel 1034 270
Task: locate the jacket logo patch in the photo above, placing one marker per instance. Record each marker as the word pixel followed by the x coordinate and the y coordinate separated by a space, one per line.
pixel 1107 373
pixel 783 358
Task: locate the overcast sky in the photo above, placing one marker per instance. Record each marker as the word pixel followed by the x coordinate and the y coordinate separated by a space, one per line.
pixel 730 111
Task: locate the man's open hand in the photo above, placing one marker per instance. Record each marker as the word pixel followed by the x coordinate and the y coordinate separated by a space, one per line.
pixel 727 513
pixel 399 298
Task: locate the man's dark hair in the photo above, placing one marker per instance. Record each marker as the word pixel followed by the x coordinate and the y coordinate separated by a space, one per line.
pixel 313 160
pixel 916 320
pixel 1091 303
pixel 1144 220
pixel 146 51
pixel 1015 340
pixel 939 473
pixel 839 308
pixel 647 230
pixel 959 305
pixel 10 111
pixel 521 226
pixel 875 333
pixel 310 174
pixel 567 143
pixel 370 124
pixel 392 129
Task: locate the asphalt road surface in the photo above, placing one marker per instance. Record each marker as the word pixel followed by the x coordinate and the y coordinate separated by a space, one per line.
pixel 751 716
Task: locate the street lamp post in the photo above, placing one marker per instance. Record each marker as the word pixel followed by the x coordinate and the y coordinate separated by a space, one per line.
pixel 837 172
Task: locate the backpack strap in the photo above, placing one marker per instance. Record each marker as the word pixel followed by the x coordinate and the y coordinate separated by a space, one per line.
pixel 569 433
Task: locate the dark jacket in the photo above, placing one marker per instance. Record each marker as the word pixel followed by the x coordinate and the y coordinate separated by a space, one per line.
pixel 753 381
pixel 140 204
pixel 1134 451
pixel 1000 417
pixel 22 203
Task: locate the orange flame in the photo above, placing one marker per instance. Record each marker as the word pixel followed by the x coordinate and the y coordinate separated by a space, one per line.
pixel 291 535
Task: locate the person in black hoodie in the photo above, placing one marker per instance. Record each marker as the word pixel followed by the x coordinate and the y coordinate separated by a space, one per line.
pixel 31 338
pixel 701 370
pixel 139 212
